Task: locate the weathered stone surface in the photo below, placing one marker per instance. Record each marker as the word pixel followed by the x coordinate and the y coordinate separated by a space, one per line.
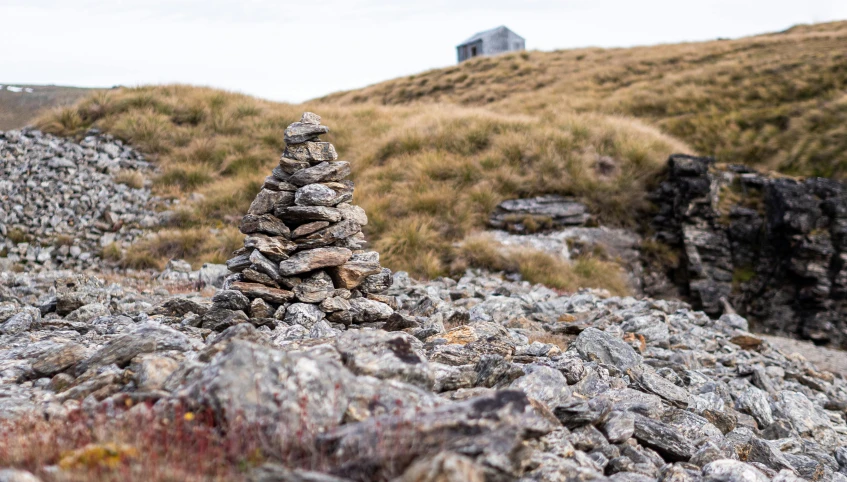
pixel 489 427
pixel 304 314
pixel 311 152
pixel 260 308
pixel 315 288
pixel 727 470
pixel 275 248
pixel 221 319
pixel 305 214
pixel 283 389
pixel 353 213
pixel 352 273
pixel 595 345
pixel 319 195
pixel 318 258
pixel 364 310
pixel 255 290
pixel 264 224
pixel 396 356
pixel 59 359
pixel 549 211
pixel 263 265
pixel 663 438
pixel 267 199
pixel 308 228
pixel 148 338
pixel 300 132
pixel 323 172
pixel 330 235
pixel 230 300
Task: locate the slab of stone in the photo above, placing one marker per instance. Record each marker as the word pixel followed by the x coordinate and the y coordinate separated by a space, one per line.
pixel 264 223
pixel 256 290
pixel 323 172
pixel 311 260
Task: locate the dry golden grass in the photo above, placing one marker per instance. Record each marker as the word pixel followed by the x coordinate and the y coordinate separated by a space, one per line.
pixel 428 176
pixel 133 179
pixel 773 100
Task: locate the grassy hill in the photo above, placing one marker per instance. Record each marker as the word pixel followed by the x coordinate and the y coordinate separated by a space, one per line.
pixel 776 101
pixel 432 154
pixel 18 109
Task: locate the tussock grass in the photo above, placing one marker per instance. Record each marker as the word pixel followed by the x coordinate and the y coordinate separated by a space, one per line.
pixel 775 100
pixel 133 179
pixel 428 176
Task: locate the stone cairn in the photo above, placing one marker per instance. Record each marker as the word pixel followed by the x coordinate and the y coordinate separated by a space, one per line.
pixel 303 260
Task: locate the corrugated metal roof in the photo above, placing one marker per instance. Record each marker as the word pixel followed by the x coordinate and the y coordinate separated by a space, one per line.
pixel 485 34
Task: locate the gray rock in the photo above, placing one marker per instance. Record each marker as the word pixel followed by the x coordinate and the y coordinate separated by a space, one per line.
pixel 544 384
pixel 148 338
pixel 311 260
pixel 311 152
pixel 396 356
pixel 306 214
pixel 315 288
pixel 323 172
pixel 317 195
pixel 300 132
pixel 755 402
pixel 727 470
pixel 275 248
pixel 263 224
pixel 595 345
pixel 304 314
pixel 663 438
pixel 230 300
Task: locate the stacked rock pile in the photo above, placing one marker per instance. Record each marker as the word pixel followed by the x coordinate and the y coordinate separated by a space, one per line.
pixel 303 260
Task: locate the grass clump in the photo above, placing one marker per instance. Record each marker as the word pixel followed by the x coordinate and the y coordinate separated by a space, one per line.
pixel 133 179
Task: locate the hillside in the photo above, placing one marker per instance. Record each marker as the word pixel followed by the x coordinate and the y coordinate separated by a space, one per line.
pixel 20 105
pixel 427 177
pixel 775 101
pixel 433 154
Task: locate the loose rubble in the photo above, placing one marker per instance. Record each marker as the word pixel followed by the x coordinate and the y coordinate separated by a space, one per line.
pixel 463 373
pixel 59 203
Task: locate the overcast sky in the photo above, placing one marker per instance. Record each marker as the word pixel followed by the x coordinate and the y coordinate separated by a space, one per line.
pixel 296 50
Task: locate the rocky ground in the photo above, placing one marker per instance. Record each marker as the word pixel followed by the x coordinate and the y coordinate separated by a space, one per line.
pixel 60 204
pixel 476 379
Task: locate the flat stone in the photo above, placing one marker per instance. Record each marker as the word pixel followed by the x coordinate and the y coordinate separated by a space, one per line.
pixel 300 132
pixel 323 172
pixel 595 345
pixel 274 184
pixel 58 359
pixel 304 214
pixel 267 199
pixel 308 228
pixel 265 224
pixel 275 248
pixel 256 290
pixel 318 258
pixel 319 195
pixel 329 235
pixel 353 213
pixel 311 152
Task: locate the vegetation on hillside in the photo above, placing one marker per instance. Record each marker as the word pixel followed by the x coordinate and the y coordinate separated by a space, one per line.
pixel 18 109
pixel 428 176
pixel 775 101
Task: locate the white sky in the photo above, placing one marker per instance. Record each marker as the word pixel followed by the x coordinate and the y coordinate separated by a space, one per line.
pixel 296 50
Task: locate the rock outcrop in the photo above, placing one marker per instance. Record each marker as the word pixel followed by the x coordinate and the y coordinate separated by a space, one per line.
pixel 772 248
pixel 303 260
